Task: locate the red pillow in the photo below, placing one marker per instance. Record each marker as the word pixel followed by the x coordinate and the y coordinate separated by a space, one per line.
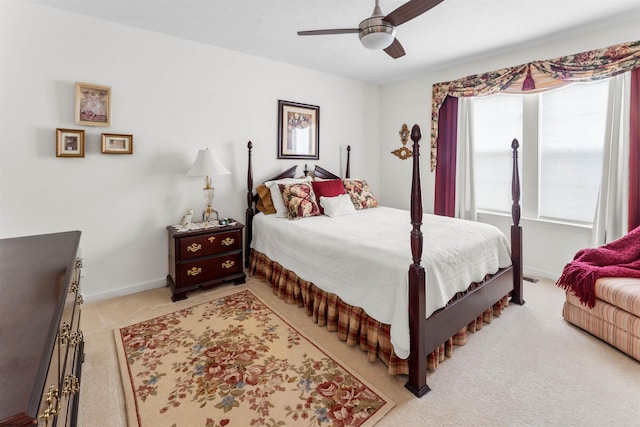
pixel 328 188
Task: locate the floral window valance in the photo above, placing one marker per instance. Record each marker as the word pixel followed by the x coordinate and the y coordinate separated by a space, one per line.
pixel 536 76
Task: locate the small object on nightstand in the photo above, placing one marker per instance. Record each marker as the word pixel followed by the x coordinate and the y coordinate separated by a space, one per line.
pixel 186 218
pixel 204 257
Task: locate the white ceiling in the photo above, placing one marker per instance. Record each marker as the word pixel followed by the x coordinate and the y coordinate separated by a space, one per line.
pixel 454 32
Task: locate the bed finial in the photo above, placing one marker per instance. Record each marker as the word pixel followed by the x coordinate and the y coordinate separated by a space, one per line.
pixel 347 173
pixel 416 135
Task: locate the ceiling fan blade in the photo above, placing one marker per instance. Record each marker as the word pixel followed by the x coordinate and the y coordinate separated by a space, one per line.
pixel 325 32
pixel 395 50
pixel 410 10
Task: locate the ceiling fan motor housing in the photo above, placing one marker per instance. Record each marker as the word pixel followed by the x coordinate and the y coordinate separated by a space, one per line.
pixel 376 33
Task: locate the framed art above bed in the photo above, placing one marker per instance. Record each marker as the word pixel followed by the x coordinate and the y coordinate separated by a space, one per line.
pixel 298 130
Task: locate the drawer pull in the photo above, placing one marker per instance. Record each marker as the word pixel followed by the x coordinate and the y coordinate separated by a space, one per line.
pixel 76 338
pixel 227 264
pixel 75 285
pixel 228 241
pixel 78 263
pixel 211 239
pixel 194 271
pixel 195 247
pixel 65 333
pixel 79 299
pixel 53 400
pixel 71 385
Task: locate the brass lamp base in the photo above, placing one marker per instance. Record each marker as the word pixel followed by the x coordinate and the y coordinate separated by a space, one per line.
pixel 209 211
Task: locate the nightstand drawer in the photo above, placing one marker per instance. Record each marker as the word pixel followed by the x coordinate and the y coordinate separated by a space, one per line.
pixel 210 244
pixel 209 269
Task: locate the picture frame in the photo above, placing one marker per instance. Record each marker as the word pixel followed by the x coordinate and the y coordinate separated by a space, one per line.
pixel 69 142
pixel 93 105
pixel 115 143
pixel 298 130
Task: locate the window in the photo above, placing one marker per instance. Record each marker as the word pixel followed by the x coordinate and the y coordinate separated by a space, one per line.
pixel 561 135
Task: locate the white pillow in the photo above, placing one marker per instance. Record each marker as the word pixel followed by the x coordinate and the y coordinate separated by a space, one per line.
pixel 337 205
pixel 276 195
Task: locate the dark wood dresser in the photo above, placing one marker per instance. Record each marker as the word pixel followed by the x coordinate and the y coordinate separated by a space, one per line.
pixel 204 258
pixel 41 344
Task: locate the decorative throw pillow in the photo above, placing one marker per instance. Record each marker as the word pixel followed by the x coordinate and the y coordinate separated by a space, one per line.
pixel 265 204
pixel 300 200
pixel 276 194
pixel 337 205
pixel 360 194
pixel 327 188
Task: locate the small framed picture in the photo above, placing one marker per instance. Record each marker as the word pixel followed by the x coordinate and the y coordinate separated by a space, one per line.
pixel 113 143
pixel 93 105
pixel 298 130
pixel 69 142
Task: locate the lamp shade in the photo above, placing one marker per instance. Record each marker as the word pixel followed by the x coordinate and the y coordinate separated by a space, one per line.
pixel 207 164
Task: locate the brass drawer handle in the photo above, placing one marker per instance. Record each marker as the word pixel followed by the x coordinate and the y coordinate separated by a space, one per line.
pixel 75 285
pixel 211 239
pixel 76 338
pixel 194 271
pixel 65 333
pixel 53 400
pixel 195 247
pixel 227 264
pixel 228 241
pixel 71 385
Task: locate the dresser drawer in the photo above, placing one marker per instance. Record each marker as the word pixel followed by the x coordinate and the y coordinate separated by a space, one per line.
pixel 204 245
pixel 200 271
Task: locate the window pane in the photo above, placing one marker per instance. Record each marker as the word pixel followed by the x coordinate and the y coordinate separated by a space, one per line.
pixel 496 121
pixel 572 126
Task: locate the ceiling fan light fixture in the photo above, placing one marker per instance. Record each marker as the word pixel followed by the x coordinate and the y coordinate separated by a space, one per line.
pixel 378 36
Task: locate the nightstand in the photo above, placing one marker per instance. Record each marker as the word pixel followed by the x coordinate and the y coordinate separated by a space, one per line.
pixel 205 258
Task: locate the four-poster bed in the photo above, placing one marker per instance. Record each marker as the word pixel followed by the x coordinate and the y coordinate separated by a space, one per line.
pixel 428 327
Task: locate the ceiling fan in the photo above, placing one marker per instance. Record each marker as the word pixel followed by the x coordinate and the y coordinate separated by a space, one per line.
pixel 379 31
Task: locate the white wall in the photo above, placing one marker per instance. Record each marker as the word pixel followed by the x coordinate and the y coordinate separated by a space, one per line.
pixel 547 246
pixel 175 97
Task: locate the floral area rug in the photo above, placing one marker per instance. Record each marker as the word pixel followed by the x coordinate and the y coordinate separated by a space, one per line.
pixel 235 362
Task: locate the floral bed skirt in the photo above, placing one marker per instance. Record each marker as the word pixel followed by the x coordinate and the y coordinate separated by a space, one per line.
pixel 353 325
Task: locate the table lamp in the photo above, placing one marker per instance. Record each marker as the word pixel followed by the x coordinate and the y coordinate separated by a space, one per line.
pixel 208 164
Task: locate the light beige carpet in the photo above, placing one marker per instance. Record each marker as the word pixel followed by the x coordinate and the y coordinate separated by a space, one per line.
pixel 528 368
pixel 234 361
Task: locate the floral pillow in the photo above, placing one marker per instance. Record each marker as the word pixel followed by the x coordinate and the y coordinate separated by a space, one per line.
pixel 299 200
pixel 276 193
pixel 361 195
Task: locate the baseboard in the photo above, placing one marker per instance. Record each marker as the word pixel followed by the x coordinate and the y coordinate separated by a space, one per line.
pixel 126 290
pixel 538 273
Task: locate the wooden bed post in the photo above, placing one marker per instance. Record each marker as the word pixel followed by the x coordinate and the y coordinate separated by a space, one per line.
pixel 516 229
pixel 417 383
pixel 249 213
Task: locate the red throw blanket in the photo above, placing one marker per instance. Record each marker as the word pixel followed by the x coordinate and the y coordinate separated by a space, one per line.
pixel 620 258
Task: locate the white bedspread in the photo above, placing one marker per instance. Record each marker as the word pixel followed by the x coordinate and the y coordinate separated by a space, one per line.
pixel 364 258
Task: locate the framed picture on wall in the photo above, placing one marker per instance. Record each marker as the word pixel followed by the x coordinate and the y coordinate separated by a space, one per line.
pixel 69 142
pixel 93 105
pixel 298 130
pixel 113 143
